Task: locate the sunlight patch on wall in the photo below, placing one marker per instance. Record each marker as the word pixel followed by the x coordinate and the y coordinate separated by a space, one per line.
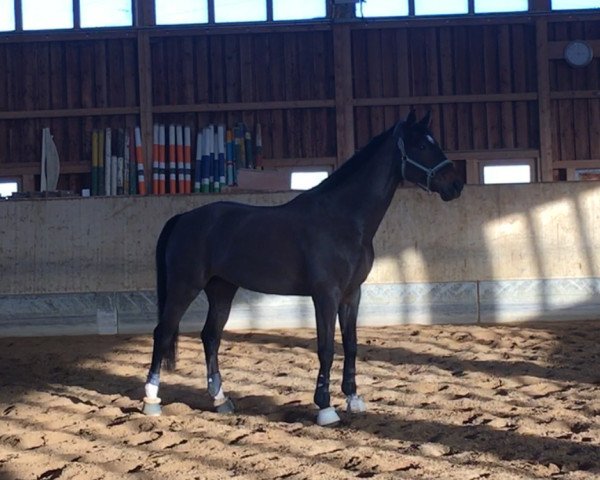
pixel 509 242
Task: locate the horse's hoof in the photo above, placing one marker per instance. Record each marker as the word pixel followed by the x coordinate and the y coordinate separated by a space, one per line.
pixel 327 416
pixel 226 407
pixel 355 404
pixel 151 407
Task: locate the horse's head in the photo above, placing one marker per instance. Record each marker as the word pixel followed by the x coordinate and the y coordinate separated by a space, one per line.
pixel 423 161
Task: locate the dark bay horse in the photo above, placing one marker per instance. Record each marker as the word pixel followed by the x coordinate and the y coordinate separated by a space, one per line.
pixel 320 244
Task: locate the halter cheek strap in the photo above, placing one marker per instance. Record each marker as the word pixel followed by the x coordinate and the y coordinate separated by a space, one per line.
pixel 429 172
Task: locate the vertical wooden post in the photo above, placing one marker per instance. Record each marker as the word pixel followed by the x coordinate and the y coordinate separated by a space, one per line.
pixel 544 102
pixel 342 51
pixel 145 95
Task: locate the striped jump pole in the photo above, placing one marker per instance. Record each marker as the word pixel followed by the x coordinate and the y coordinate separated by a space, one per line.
pixel 180 160
pixel 187 158
pixel 155 161
pixel 107 161
pixel 101 190
pixel 95 154
pixel 133 184
pixel 229 158
pixel 258 152
pixel 139 155
pixel 198 164
pixel 126 162
pixel 162 165
pixel 172 161
pixel 221 156
pixel 208 138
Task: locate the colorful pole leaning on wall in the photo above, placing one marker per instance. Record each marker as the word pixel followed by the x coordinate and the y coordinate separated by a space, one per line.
pixel 139 155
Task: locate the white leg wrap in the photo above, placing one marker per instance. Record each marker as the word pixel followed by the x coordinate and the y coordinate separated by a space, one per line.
pixel 151 391
pixel 220 398
pixel 327 416
pixel 355 404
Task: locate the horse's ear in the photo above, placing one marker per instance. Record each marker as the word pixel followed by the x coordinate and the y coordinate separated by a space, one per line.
pixel 412 117
pixel 426 120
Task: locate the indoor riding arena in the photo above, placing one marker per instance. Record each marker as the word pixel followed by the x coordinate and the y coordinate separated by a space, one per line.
pixel 328 239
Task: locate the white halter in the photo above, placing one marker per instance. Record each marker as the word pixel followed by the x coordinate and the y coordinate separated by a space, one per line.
pixel 430 172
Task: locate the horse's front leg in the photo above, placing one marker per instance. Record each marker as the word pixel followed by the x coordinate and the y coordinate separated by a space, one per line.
pixel 347 314
pixel 325 311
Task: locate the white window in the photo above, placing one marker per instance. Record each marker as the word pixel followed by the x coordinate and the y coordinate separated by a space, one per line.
pixel 174 12
pixel 8 187
pixel 298 10
pixel 448 7
pixel 514 173
pixel 382 8
pixel 240 11
pixel 105 13
pixel 494 6
pixel 45 15
pixel 307 180
pixel 7 15
pixel 574 4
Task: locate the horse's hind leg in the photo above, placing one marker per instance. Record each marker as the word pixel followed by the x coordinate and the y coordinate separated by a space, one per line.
pixel 179 296
pixel 347 314
pixel 220 296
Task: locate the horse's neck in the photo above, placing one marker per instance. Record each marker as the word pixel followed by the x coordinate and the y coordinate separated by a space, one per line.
pixel 365 196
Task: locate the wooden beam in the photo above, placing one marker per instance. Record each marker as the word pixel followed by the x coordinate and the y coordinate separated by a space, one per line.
pixel 342 51
pixel 431 99
pixel 244 106
pixel 68 112
pixel 33 168
pixel 544 101
pixel 496 154
pixel 572 94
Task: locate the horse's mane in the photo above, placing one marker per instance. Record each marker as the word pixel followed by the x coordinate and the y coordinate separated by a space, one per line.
pixel 351 166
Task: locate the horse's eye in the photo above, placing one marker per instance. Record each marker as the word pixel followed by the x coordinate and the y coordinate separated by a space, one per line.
pixel 422 146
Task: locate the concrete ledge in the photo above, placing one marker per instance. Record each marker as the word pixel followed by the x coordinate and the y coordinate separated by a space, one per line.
pixel 382 304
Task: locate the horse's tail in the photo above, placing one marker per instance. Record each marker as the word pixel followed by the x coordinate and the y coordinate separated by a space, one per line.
pixel 170 350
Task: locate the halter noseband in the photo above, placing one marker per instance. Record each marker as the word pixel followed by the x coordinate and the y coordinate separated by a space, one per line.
pixel 429 172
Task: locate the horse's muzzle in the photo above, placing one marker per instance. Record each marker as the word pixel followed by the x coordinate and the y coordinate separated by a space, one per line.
pixel 451 190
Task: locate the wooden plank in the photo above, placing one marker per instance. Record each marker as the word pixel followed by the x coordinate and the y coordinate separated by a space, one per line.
pixel 216 68
pixel 72 75
pixel 86 78
pixel 43 76
pixel 130 74
pixel 458 65
pixel 201 69
pixel 4 79
pixel 100 74
pixel 232 68
pixel 403 63
pixel 506 85
pixel 375 77
pixel 342 50
pixel 594 127
pixel 474 41
pixel 273 49
pixel 544 103
pixel 247 72
pixel 448 134
pixel 491 75
pixel 521 123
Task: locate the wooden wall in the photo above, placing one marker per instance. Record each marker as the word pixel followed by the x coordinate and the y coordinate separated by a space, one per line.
pixel 498 87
